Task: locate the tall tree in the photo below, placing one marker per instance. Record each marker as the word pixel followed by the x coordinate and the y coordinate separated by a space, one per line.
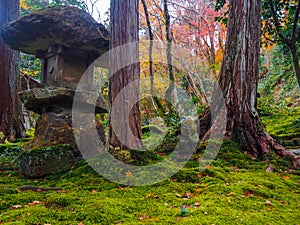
pixel 171 92
pixel 10 113
pixel 150 46
pixel 238 81
pixel 124 121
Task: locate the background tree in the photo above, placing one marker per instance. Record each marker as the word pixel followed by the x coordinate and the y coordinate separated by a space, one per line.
pixel 10 113
pixel 239 78
pixel 124 29
pixel 281 26
pixel 196 28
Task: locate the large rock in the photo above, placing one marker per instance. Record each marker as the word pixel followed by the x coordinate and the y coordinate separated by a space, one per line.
pixel 68 26
pixel 56 99
pixel 44 161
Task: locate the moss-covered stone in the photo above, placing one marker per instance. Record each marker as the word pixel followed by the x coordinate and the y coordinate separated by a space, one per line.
pixel 44 161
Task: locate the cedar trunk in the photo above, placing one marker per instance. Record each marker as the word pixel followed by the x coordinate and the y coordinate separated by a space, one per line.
pixel 238 81
pixel 10 113
pixel 124 123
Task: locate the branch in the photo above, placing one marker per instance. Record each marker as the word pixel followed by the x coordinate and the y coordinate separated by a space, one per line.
pixel 277 24
pixel 269 39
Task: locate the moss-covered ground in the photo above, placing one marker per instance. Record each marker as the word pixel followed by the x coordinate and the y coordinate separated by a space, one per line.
pixel 284 126
pixel 232 190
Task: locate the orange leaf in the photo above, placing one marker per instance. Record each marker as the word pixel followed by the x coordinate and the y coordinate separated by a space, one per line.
pixel 198 190
pixel 128 174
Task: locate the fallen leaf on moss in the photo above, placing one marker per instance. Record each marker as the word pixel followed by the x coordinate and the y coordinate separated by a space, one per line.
pixel 128 173
pixel 198 190
pixel 16 207
pixel 268 202
pixel 188 195
pixel 148 195
pixel 197 204
pixel 34 203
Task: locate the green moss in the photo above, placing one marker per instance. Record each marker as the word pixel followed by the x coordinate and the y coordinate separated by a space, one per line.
pixel 232 190
pixel 283 123
pixel 285 127
pixel 8 155
pixel 55 148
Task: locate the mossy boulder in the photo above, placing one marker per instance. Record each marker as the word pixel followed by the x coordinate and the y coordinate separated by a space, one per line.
pixel 40 162
pixel 56 129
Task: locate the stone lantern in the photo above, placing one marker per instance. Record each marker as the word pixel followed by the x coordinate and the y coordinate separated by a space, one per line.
pixel 67 40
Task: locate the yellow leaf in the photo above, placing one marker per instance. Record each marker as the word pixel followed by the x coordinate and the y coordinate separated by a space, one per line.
pixel 231 193
pixel 23 5
pixel 148 195
pixel 286 177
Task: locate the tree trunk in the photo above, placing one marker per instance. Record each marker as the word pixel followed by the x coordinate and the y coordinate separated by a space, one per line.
pixel 150 47
pixel 10 111
pixel 296 66
pixel 124 118
pixel 171 92
pixel 238 81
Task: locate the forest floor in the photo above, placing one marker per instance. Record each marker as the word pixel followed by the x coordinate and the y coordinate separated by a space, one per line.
pixel 234 189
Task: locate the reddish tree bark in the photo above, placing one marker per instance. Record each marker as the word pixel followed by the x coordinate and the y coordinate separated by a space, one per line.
pixel 124 30
pixel 10 113
pixel 238 81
